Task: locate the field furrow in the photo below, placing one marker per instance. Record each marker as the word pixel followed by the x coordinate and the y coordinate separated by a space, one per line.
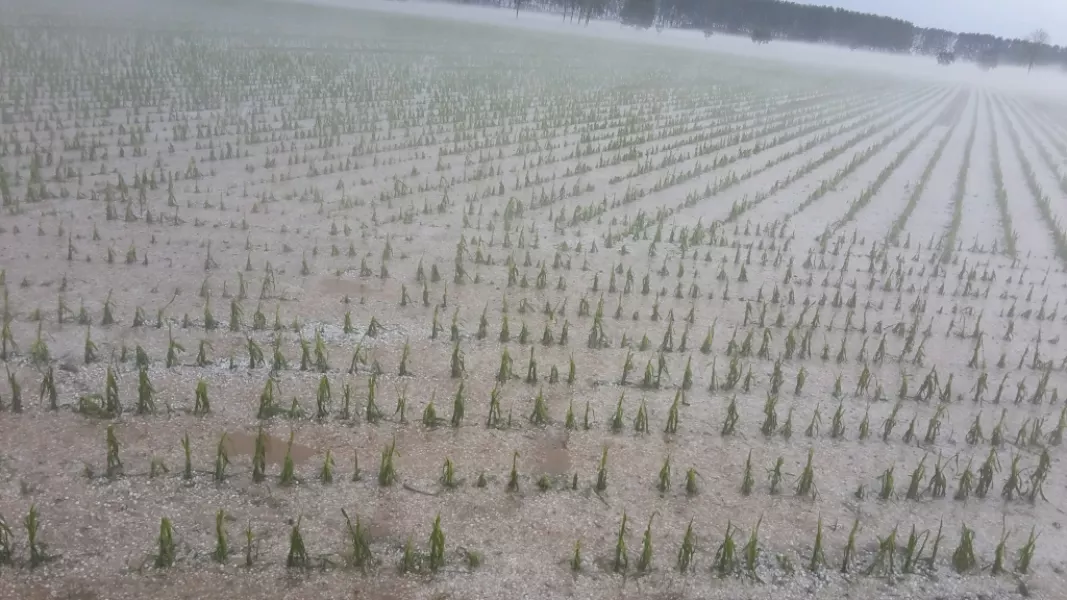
pixel 1045 145
pixel 933 213
pixel 802 173
pixel 1035 237
pixel 878 164
pixel 981 230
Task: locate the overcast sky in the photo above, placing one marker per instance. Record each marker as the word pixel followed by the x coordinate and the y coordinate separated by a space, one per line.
pixel 1007 18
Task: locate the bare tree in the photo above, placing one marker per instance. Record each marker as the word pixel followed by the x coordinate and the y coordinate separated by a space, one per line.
pixel 1037 39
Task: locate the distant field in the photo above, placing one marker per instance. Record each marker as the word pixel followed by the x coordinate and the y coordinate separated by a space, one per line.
pixel 633 314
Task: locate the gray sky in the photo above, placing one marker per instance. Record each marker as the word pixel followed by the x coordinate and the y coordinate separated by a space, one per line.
pixel 1006 18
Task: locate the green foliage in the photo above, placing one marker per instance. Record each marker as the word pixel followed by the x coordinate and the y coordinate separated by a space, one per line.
pixel 751 549
pixel 437 545
pixel 913 550
pixel 326 472
pixel 729 424
pixel 617 423
pixel 7 551
pixel 850 547
pixel 963 559
pixel 167 548
pixel 806 481
pixel 664 484
pixel 112 406
pixel 222 548
pixel 288 476
pixel 297 558
pixel 539 415
pixel 576 557
pixel 222 459
pixel 725 561
pixel 622 559
pixel 359 551
pixel 687 550
pixel 114 465
pixel 747 480
pixel 202 404
pixel 145 393
pixel 644 561
pixel 513 476
pixel 602 472
pixel 33 527
pixel 885 559
pixel 448 474
pixel 386 469
pixel 1026 553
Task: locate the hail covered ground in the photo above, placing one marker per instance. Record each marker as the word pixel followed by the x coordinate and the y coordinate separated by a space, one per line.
pixel 404 300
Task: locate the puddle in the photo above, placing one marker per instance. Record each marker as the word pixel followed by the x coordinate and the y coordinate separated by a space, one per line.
pixel 333 286
pixel 243 444
pixel 551 456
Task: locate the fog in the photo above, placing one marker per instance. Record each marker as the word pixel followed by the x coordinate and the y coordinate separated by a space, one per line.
pixel 1043 82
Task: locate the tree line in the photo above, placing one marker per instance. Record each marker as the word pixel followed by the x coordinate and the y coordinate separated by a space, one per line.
pixel 768 20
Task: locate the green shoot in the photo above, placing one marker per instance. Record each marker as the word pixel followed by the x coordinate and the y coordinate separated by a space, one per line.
pixel 437 545
pixel 222 459
pixel 222 549
pixel 359 554
pixel 850 547
pixel 249 546
pixel 644 562
pixel 1026 554
pixel 167 548
pixel 751 549
pixel 114 465
pixel 326 472
pixel 386 470
pixel 622 560
pixel 725 556
pixel 33 526
pixel 145 393
pixel 818 558
pixel 448 474
pixel 688 549
pixel 963 559
pixel 729 424
pixel 806 482
pixel 187 472
pixel 885 560
pixel 202 404
pixel 617 419
pixel 407 559
pixel 913 550
pixel 886 478
pixel 747 482
pixel 916 480
pixel 298 556
pixel 288 477
pixel 999 554
pixel 458 406
pixel 664 484
pixel 513 476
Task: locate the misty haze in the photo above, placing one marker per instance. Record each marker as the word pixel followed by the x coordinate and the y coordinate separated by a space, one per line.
pixel 391 299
